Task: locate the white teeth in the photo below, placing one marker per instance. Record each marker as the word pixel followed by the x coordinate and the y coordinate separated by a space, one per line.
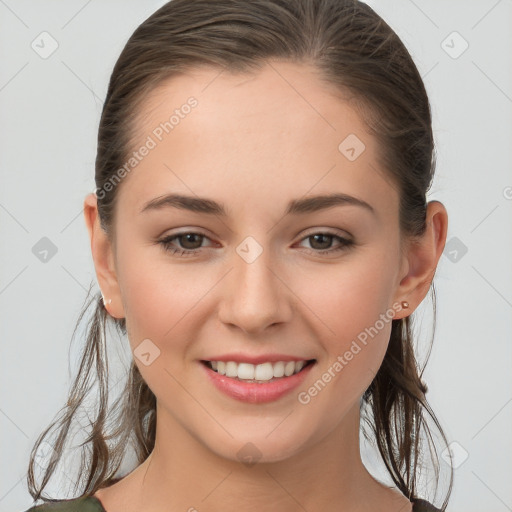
pixel 264 372
pixel 289 368
pixel 231 369
pixel 260 372
pixel 245 371
pixel 279 369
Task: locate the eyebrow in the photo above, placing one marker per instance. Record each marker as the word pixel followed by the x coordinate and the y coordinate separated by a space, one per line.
pixel 295 207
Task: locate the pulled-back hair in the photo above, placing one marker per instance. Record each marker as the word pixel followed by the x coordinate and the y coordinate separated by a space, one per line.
pixel 359 54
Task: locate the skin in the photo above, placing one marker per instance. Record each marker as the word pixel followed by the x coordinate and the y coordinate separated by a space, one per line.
pixel 254 153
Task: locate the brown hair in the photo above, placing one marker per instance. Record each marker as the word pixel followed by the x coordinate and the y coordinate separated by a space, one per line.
pixel 358 53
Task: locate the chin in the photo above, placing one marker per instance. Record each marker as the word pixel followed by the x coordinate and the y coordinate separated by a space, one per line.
pixel 261 444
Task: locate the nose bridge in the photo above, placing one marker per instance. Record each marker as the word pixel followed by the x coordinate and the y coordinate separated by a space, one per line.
pixel 257 297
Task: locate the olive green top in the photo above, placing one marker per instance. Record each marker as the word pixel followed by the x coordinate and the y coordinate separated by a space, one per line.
pixel 83 504
pixel 93 504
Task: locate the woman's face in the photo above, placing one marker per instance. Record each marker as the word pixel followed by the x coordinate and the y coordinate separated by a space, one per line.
pixel 253 281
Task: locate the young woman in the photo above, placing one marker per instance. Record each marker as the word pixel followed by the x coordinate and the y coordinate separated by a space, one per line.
pixel 261 234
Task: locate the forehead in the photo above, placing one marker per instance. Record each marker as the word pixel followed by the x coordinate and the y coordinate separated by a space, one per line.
pixel 273 130
pixel 281 91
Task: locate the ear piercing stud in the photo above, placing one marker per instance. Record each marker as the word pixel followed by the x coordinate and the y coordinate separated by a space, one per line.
pixel 405 304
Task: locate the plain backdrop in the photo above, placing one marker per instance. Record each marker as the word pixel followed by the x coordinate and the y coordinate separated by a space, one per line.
pixel 50 107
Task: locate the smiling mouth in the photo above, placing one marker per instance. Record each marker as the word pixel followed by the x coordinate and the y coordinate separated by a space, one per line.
pixel 259 373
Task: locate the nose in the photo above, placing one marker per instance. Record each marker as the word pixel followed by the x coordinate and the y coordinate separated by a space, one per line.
pixel 255 296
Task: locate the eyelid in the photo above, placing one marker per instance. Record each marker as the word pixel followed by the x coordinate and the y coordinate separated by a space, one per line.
pixel 185 230
pixel 327 231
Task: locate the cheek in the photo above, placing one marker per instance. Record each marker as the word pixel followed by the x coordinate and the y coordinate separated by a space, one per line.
pixel 157 296
pixel 354 316
pixel 347 297
pixel 161 303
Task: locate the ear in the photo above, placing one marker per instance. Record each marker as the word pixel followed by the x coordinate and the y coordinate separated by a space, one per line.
pixel 422 257
pixel 103 256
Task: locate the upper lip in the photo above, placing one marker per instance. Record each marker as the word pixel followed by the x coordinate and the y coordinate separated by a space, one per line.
pixel 263 358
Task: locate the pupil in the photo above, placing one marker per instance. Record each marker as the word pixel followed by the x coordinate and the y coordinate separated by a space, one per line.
pixel 190 238
pixel 326 237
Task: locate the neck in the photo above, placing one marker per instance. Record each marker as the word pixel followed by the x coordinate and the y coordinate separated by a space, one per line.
pixel 183 474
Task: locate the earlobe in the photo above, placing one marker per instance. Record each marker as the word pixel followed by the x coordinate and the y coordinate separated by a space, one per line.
pixel 422 258
pixel 103 258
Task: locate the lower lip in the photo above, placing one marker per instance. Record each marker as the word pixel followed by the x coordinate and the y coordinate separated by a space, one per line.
pixel 253 392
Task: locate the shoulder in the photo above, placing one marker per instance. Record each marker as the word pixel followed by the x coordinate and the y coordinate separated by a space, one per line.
pixel 82 504
pixel 423 506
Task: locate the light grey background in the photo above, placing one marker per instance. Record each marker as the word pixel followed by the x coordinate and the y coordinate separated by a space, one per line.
pixel 50 109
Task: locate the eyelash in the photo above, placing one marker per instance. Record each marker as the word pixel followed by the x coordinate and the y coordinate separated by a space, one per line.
pixel 344 243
